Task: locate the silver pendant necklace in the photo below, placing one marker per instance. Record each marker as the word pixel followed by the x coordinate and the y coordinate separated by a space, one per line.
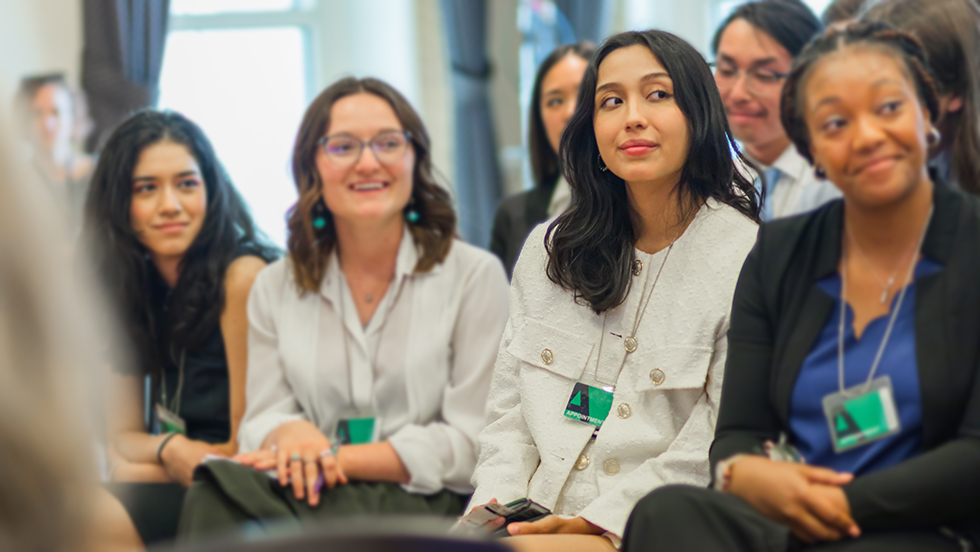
pixel 886 286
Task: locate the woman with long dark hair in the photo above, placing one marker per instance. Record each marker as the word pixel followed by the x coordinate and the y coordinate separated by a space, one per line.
pixel 552 105
pixel 609 373
pixel 371 346
pixel 850 416
pixel 178 253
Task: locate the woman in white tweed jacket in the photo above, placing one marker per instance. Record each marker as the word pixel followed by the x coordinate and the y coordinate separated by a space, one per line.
pixel 625 298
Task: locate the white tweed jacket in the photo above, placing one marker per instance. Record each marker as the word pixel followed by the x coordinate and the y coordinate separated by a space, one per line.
pixel 666 395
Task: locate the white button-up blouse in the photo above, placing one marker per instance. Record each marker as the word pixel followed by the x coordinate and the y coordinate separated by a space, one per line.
pixel 665 393
pixel 422 364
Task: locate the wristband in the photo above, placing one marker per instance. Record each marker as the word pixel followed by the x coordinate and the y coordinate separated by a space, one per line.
pixel 162 444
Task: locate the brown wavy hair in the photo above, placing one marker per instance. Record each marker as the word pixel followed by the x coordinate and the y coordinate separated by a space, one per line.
pixel 875 35
pixel 309 248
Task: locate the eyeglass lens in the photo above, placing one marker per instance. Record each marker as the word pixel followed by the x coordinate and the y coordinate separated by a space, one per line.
pixel 344 150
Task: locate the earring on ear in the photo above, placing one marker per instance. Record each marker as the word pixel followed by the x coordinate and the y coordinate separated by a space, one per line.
pixel 819 173
pixel 602 164
pixel 319 215
pixel 934 137
pixel 411 215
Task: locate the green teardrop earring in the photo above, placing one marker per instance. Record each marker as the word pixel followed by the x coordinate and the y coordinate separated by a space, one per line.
pixel 319 215
pixel 412 216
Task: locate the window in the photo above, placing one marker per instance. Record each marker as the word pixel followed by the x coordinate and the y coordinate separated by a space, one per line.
pixel 244 77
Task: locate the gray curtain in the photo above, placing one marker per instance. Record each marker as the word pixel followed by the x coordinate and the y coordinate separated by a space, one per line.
pixel 589 19
pixel 121 59
pixel 478 186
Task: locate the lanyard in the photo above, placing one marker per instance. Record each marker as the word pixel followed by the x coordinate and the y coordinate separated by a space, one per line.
pixel 891 319
pixel 175 405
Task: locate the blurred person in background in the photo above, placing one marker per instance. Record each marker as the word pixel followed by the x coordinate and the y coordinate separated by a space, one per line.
pixel 609 374
pixel 553 101
pixel 178 253
pixel 850 414
pixel 55 122
pixel 754 49
pixel 950 33
pixel 841 12
pixel 371 346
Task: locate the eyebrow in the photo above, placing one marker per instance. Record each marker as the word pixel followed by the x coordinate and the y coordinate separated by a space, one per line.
pixel 153 178
pixel 835 99
pixel 644 78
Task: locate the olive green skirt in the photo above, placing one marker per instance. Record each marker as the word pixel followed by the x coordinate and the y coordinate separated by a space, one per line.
pixel 227 498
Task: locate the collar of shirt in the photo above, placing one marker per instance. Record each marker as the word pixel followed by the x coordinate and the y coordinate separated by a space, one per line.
pixel 408 257
pixel 561 198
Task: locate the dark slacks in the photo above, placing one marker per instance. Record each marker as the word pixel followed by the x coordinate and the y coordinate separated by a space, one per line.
pixel 682 518
pixel 153 507
pixel 227 497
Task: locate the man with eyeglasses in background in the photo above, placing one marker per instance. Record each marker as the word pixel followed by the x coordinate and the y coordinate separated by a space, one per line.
pixel 754 49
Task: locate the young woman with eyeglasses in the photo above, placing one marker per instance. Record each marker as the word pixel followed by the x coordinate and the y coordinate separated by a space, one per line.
pixel 372 345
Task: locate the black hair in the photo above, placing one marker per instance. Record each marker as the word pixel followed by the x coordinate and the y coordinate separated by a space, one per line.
pixel 843 11
pixel 591 246
pixel 227 232
pixel 789 22
pixel 875 35
pixel 545 165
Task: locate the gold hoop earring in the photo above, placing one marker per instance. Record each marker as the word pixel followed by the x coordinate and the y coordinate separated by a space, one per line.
pixel 934 136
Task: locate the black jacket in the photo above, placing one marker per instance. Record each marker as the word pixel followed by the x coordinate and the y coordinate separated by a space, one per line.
pixel 516 217
pixel 777 315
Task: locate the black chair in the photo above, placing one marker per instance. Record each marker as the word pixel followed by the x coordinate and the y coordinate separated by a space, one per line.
pixel 378 534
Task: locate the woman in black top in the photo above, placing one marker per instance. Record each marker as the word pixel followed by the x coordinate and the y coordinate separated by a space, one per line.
pixel 553 101
pixel 825 364
pixel 178 253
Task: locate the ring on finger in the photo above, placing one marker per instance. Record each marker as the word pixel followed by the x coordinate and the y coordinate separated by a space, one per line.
pixel 296 457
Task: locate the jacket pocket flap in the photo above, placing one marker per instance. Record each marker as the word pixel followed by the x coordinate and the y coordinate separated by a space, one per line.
pixel 555 350
pixel 674 368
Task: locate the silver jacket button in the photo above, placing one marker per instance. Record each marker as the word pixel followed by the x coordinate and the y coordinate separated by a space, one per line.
pixel 611 466
pixel 547 356
pixel 657 376
pixel 624 410
pixel 582 462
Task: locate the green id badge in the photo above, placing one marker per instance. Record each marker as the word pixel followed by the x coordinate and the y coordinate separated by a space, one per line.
pixel 170 422
pixel 357 430
pixel 859 416
pixel 589 404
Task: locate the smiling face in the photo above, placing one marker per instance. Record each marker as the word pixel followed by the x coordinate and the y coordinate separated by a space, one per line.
pixel 168 199
pixel 559 94
pixel 642 135
pixel 867 126
pixel 753 110
pixel 367 191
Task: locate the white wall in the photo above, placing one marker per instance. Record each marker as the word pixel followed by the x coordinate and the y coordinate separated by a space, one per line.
pixel 38 36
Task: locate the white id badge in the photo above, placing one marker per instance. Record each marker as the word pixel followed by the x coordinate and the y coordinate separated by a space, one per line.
pixel 170 422
pixel 358 429
pixel 858 417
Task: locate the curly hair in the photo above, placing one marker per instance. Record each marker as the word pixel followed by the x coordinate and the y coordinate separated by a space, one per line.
pixel 591 246
pixel 875 35
pixel 310 248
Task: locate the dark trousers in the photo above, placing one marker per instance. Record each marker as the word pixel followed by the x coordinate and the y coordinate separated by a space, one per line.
pixel 682 518
pixel 230 498
pixel 153 507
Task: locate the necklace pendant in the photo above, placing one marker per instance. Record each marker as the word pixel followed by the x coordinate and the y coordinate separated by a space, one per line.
pixel 369 298
pixel 884 295
pixel 630 344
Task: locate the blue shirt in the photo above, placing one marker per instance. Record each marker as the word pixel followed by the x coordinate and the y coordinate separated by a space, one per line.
pixel 818 378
